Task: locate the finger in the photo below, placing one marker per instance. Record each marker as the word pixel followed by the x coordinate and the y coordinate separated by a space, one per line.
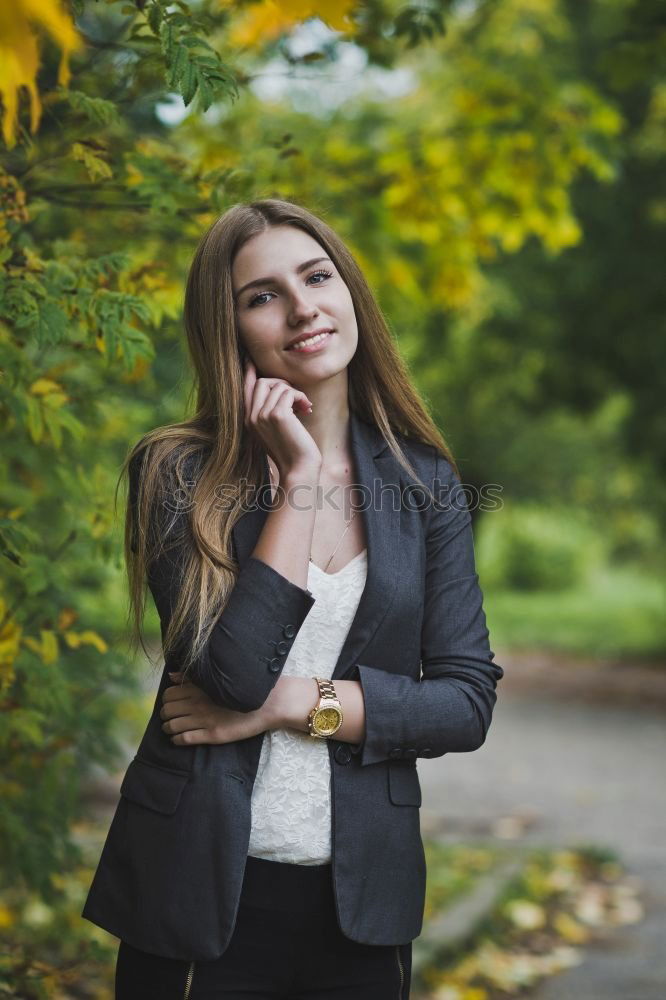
pixel 288 402
pixel 182 724
pixel 265 396
pixel 260 390
pixel 194 736
pixel 257 388
pixel 172 709
pixel 276 394
pixel 296 399
pixel 186 690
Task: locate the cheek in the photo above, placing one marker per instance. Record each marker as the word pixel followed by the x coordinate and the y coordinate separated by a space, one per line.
pixel 350 315
pixel 348 343
pixel 260 342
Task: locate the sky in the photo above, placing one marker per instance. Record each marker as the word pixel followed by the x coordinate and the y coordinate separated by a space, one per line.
pixel 336 81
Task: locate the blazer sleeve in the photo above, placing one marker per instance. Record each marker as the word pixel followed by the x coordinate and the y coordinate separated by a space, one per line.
pixel 449 709
pixel 251 639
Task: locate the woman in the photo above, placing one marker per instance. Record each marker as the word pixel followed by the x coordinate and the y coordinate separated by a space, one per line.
pixel 311 560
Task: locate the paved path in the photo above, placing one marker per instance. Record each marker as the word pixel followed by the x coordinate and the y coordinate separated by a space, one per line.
pixel 559 768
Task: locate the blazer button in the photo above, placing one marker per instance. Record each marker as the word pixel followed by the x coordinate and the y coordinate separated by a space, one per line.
pixel 282 648
pixel 289 631
pixel 396 752
pixel 342 754
pixel 274 665
pixel 410 754
pixel 426 752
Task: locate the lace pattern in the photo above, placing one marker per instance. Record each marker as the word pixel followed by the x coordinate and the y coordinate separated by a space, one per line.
pixel 291 802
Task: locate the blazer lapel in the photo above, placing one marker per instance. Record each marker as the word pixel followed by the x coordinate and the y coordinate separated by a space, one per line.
pixel 379 474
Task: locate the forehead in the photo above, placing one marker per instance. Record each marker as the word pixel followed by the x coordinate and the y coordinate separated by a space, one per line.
pixel 278 250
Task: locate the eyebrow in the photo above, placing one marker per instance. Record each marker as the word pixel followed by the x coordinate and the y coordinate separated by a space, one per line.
pixel 267 281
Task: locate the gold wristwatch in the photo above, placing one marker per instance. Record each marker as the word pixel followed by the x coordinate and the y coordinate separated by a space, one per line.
pixel 326 717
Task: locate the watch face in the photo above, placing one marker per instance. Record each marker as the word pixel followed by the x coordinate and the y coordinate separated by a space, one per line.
pixel 326 720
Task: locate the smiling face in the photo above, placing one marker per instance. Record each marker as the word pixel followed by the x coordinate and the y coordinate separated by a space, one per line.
pixel 294 289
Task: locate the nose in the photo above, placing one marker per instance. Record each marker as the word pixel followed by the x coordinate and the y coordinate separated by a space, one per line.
pixel 300 307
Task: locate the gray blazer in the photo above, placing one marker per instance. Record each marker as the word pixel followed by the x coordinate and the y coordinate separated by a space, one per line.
pixel 171 870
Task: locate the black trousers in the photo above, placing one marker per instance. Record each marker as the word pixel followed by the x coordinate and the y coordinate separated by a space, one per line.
pixel 286 945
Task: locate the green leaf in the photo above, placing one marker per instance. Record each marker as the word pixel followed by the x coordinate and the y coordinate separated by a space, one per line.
pixel 54 425
pixel 155 17
pixel 35 423
pixel 51 326
pixel 96 109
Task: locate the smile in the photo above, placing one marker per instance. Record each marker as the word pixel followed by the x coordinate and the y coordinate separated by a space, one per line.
pixel 312 344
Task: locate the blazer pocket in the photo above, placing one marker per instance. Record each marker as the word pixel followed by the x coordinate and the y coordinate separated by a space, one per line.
pixel 152 786
pixel 404 784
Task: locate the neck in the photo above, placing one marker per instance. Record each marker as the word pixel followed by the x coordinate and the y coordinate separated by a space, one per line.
pixel 329 422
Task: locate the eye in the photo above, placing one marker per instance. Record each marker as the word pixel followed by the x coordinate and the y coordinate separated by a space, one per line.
pixel 324 274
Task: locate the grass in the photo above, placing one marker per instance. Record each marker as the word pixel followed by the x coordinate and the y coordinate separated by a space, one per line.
pixel 619 612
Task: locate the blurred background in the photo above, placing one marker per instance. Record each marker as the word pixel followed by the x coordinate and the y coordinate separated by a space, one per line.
pixel 496 167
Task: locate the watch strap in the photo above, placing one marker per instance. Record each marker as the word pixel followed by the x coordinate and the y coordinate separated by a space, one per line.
pixel 326 688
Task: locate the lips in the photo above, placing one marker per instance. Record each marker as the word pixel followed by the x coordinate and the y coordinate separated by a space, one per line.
pixel 306 336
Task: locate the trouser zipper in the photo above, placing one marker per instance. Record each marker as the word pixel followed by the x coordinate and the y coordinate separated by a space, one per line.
pixel 402 971
pixel 188 981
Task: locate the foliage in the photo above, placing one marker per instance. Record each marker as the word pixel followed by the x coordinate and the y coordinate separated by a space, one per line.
pixel 19 56
pixel 453 870
pixel 543 919
pixel 617 612
pixel 523 547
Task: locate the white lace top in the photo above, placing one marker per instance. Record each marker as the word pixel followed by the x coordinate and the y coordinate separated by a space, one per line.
pixel 291 804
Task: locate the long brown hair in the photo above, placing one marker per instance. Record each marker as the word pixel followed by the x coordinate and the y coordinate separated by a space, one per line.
pixel 215 442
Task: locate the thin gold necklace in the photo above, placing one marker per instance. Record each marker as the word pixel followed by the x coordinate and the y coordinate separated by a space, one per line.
pixel 354 513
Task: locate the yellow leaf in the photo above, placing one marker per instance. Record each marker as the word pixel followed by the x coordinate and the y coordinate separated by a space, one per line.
pixel 526 914
pixel 265 21
pixel 46 647
pixel 44 385
pixel 95 166
pixel 67 617
pixel 10 642
pixel 139 370
pixel 19 56
pixel 7 918
pixel 55 400
pixel 570 929
pixel 76 639
pixel 93 639
pixel 32 260
pixel 49 646
pixel 133 176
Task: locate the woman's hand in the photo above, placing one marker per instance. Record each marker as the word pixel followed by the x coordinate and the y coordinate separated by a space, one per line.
pixel 192 717
pixel 270 405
